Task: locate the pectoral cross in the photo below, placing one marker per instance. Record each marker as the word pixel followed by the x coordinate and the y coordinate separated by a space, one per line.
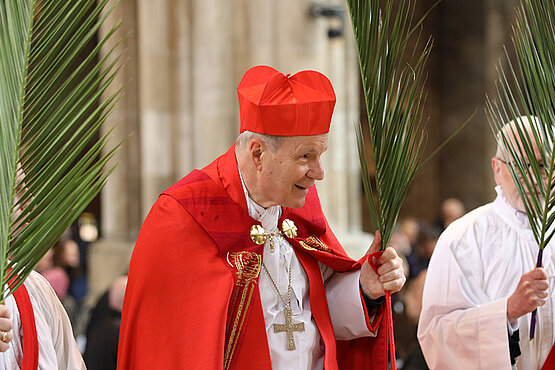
pixel 289 327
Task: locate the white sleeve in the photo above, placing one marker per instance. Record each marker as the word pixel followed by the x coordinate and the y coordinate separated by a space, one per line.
pixel 460 327
pixel 57 347
pixel 345 305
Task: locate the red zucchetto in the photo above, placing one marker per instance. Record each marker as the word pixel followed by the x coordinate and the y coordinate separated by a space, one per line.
pixel 274 104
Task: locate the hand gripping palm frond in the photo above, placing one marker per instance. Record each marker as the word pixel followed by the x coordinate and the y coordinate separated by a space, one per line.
pixel 526 96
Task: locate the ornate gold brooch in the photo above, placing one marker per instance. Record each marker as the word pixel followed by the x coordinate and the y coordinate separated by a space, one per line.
pixel 259 235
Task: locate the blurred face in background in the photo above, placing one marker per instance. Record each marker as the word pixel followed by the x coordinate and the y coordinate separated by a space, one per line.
pixel 70 253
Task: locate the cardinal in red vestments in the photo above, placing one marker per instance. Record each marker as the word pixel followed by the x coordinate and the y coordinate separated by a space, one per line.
pixel 236 267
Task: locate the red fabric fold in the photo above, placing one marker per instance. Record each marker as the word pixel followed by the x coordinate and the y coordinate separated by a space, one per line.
pixel 388 317
pixel 549 363
pixel 30 342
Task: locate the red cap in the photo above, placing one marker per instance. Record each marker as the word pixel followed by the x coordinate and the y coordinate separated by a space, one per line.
pixel 274 104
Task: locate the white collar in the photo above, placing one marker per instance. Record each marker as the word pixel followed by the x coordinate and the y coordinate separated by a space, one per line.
pixel 268 217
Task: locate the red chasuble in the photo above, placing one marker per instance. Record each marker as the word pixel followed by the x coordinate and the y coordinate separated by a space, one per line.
pixel 549 363
pixel 192 299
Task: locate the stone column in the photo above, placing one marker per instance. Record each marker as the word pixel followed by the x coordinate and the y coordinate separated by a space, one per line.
pixel 499 16
pixel 120 208
pixel 344 196
pixel 154 77
pixel 180 88
pixel 213 89
pixel 462 90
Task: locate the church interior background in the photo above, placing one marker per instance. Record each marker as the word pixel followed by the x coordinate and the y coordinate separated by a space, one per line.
pixel 183 60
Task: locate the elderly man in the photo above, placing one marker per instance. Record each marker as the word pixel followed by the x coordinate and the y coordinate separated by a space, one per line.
pixel 236 266
pixel 481 286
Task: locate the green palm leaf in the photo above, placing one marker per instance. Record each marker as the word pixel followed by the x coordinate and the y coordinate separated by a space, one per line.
pixel 393 79
pixel 51 155
pixel 527 89
pixel 526 96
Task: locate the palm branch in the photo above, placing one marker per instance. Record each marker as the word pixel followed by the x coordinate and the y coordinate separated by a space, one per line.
pixel 527 89
pixel 393 79
pixel 52 156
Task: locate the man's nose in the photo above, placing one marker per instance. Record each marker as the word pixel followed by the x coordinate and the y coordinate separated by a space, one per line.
pixel 316 171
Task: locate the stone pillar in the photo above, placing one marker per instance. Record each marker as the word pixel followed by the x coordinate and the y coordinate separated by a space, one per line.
pixel 213 89
pixel 500 14
pixel 344 195
pixel 120 207
pixel 464 164
pixel 155 76
pixel 180 88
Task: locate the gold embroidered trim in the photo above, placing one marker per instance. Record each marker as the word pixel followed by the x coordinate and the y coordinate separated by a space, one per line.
pixel 313 243
pixel 248 268
pixel 247 265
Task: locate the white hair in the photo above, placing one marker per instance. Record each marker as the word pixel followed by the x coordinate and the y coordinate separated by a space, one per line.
pixel 273 141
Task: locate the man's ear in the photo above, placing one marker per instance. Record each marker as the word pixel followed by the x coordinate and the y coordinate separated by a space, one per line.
pixel 256 149
pixel 496 168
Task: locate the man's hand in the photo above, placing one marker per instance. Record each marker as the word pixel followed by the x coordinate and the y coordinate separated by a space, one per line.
pixel 390 276
pixel 6 326
pixel 531 292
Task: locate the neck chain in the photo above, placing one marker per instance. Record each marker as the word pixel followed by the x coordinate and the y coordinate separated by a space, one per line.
pixel 286 304
pixel 288 327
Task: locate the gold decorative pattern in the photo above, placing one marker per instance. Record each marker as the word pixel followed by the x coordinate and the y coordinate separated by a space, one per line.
pixel 289 327
pixel 259 235
pixel 313 243
pixel 289 228
pixel 247 265
pixel 248 268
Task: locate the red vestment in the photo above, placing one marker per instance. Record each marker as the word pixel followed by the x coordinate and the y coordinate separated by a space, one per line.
pixel 549 363
pixel 192 299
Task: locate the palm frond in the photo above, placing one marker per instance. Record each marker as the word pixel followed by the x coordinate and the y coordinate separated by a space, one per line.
pixel 393 79
pixel 527 89
pixel 526 96
pixel 52 156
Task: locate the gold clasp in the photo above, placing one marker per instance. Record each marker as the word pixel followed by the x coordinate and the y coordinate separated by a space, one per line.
pixel 259 235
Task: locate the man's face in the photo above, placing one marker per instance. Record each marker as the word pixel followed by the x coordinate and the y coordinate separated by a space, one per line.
pixel 286 173
pixel 503 178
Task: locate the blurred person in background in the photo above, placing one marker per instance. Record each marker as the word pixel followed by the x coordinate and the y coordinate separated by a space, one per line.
pixel 451 209
pixel 419 258
pixel 55 275
pixel 67 256
pixel 103 330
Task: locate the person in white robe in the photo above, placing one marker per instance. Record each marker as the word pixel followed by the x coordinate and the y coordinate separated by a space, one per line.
pixel 57 347
pixel 482 285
